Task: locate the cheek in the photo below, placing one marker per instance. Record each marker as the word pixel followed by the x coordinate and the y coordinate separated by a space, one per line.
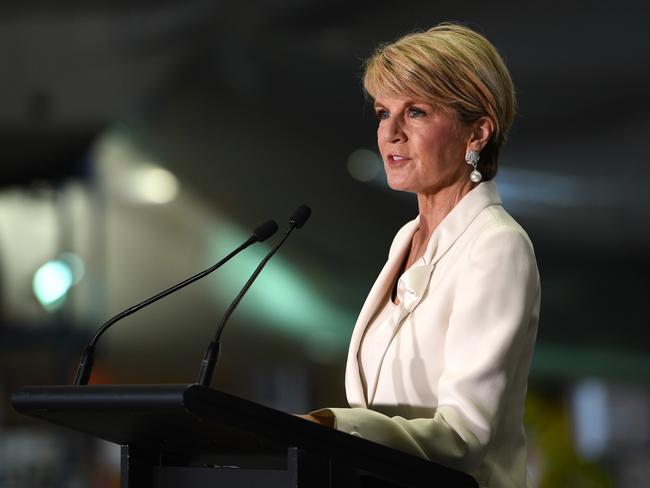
pixel 380 136
pixel 430 146
pixel 443 145
pixel 381 145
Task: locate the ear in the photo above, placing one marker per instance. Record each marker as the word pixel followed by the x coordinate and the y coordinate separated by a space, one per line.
pixel 480 134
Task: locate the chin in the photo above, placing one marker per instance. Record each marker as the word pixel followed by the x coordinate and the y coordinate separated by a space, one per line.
pixel 400 186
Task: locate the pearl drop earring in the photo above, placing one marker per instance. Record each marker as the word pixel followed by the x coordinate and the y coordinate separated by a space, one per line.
pixel 472 157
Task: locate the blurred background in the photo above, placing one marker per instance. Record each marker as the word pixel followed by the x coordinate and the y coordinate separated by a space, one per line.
pixel 142 141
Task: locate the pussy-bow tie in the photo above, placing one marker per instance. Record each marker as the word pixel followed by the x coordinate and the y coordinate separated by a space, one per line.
pixel 412 285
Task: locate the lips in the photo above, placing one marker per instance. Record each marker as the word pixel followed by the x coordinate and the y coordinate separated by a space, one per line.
pixel 396 159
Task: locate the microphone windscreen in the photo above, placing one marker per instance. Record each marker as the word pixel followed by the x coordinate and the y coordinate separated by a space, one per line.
pixel 265 230
pixel 300 216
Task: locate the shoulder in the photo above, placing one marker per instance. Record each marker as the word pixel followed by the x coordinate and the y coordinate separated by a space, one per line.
pixel 494 233
pixel 498 261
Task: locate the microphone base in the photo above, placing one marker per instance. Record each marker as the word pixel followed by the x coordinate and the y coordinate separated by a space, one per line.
pixel 85 366
pixel 209 363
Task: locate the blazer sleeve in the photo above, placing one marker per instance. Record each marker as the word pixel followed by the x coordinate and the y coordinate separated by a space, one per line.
pixel 490 335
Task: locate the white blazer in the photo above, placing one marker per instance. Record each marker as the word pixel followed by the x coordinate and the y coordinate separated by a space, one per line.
pixel 452 382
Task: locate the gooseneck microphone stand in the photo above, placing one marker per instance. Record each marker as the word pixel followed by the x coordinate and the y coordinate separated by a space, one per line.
pixel 211 355
pixel 261 233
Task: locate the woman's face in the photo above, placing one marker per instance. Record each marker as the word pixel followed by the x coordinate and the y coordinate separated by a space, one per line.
pixel 423 146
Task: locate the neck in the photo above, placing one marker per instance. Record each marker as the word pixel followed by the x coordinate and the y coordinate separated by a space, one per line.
pixel 434 207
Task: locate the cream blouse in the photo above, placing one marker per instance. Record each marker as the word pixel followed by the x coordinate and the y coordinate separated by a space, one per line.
pixel 379 332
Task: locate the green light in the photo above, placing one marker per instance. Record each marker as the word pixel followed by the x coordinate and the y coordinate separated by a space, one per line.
pixel 281 297
pixel 76 265
pixel 51 283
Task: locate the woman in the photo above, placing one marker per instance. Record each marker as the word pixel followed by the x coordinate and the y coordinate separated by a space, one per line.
pixel 439 357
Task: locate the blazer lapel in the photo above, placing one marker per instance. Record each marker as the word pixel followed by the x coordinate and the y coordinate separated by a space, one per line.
pixel 355 391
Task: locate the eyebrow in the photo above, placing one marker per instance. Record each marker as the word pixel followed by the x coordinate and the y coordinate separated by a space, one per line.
pixel 407 102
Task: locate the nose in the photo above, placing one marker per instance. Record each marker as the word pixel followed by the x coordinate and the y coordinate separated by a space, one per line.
pixel 391 131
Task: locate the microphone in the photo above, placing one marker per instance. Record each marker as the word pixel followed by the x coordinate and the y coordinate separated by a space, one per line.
pixel 261 233
pixel 211 356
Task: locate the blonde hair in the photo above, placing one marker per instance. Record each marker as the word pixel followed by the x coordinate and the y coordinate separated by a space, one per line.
pixel 452 66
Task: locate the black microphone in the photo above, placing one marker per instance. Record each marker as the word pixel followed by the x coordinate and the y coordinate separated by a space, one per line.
pixel 261 233
pixel 211 356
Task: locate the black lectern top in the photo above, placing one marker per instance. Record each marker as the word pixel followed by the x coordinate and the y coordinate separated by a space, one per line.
pixel 198 418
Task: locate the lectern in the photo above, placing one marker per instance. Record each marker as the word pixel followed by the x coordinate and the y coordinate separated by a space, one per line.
pixel 187 436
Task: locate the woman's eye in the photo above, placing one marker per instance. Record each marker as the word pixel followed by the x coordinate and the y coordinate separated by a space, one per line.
pixel 381 113
pixel 416 112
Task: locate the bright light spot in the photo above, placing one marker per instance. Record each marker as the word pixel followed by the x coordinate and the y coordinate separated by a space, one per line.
pixel 51 282
pixel 153 185
pixel 364 165
pixel 76 265
pixel 131 173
